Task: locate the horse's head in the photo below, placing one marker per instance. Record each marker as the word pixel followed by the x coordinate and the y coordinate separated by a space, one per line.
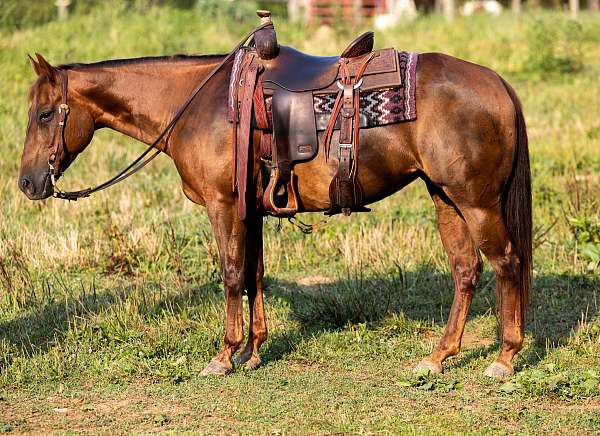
pixel 50 147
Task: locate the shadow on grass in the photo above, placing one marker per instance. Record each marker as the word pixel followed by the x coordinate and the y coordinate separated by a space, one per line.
pixel 558 305
pixel 422 295
pixel 42 326
pixel 48 322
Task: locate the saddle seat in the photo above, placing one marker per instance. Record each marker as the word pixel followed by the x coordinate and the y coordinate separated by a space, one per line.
pixel 296 71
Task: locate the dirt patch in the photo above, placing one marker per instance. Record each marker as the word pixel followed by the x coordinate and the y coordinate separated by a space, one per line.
pixel 471 340
pixel 315 280
pixel 92 412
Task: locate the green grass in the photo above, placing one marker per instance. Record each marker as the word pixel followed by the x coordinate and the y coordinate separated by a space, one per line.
pixel 111 306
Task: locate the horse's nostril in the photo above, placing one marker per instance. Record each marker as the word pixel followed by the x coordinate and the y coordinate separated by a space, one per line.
pixel 25 184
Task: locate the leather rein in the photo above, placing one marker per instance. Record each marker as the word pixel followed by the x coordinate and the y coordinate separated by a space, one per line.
pixel 142 160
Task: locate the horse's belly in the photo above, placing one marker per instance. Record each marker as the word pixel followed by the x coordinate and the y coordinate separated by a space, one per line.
pixel 384 167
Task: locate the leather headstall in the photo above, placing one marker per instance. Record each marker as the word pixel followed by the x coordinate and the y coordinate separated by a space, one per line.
pixel 61 144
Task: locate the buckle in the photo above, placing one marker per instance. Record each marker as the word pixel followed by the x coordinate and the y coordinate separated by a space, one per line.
pixel 343 146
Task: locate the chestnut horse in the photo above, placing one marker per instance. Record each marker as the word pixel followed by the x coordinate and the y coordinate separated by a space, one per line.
pixel 468 144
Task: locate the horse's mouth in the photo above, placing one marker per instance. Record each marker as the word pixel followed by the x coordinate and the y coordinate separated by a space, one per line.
pixel 47 189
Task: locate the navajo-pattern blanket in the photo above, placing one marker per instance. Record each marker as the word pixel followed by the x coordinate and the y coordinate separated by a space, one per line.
pixel 381 107
pixel 377 108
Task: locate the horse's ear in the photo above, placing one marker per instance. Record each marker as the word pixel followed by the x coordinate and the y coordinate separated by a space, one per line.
pixel 45 68
pixel 34 65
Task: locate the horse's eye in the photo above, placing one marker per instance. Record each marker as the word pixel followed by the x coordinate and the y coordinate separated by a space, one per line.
pixel 46 116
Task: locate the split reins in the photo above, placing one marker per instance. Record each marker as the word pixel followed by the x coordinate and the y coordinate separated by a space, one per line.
pixel 142 160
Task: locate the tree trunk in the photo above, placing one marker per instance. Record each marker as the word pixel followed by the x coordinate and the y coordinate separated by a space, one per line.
pixel 448 6
pixel 63 8
pixel 516 6
pixel 574 6
pixel 594 5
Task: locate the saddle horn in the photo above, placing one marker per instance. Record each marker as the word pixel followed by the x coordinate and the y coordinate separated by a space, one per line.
pixel 265 40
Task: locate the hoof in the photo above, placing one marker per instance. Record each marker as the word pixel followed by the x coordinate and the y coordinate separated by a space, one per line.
pixel 216 368
pixel 253 363
pixel 250 362
pixel 428 365
pixel 499 370
pixel 242 358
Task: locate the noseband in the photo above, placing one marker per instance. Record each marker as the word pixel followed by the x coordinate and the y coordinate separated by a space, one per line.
pixel 142 160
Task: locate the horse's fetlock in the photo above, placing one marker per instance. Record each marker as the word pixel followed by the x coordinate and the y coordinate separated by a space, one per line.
pixel 234 339
pixel 260 335
pixel 512 339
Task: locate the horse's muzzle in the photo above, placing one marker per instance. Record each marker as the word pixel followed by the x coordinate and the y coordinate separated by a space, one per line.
pixel 36 189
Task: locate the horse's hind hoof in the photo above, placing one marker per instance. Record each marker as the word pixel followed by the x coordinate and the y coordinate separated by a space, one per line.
pixel 428 365
pixel 249 362
pixel 499 370
pixel 216 368
pixel 253 363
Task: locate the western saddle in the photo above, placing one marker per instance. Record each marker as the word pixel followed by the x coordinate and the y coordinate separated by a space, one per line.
pixel 272 89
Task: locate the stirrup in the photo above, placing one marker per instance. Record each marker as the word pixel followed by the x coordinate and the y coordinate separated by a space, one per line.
pixel 269 198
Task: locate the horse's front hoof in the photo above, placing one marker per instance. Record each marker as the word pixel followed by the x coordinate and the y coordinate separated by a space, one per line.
pixel 428 365
pixel 216 368
pixel 499 370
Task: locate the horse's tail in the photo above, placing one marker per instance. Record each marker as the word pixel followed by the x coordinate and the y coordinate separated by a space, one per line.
pixel 516 205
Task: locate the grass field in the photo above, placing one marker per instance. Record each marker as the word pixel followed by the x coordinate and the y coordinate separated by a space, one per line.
pixel 111 306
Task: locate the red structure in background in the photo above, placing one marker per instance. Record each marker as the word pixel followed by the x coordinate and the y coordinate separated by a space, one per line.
pixel 329 11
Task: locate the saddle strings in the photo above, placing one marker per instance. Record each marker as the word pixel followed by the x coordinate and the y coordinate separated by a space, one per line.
pixel 346 79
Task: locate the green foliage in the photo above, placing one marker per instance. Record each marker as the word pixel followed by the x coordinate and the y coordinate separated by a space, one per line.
pixel 554 47
pixel 110 307
pixel 16 14
pixel 549 380
pixel 19 13
pixel 586 230
pixel 426 381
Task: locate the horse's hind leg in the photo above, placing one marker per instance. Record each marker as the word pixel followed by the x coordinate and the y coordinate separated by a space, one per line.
pixel 257 333
pixel 466 266
pixel 488 229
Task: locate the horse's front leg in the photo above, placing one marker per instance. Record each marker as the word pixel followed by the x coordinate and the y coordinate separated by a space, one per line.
pixel 231 235
pixel 257 333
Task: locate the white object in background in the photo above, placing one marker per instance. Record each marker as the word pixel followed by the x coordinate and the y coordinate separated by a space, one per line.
pixel 63 8
pixel 397 10
pixel 491 7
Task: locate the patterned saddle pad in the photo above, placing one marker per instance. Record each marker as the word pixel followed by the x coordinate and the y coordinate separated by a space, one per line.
pixel 381 107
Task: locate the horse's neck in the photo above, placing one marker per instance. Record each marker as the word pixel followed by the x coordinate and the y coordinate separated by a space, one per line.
pixel 138 99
